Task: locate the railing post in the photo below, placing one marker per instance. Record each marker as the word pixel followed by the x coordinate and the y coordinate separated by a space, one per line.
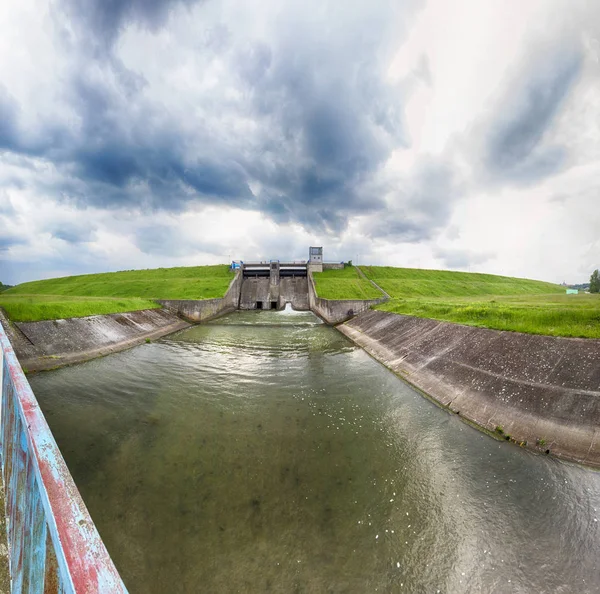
pixel 53 543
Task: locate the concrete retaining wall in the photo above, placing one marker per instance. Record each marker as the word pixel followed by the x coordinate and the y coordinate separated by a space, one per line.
pixel 539 389
pixel 258 289
pixel 333 265
pixel 53 343
pixel 201 310
pixel 334 311
pixel 295 292
pixel 288 290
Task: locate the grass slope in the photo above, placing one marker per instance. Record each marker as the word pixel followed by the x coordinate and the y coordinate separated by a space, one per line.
pixel 193 282
pixel 32 308
pixel 112 292
pixel 413 282
pixel 488 301
pixel 346 283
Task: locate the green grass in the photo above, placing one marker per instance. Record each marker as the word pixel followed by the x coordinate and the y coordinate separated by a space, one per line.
pixel 112 292
pixel 551 314
pixel 488 301
pixel 346 283
pixel 413 282
pixel 193 282
pixel 32 308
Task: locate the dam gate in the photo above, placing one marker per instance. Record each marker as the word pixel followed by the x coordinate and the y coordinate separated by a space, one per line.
pixel 270 285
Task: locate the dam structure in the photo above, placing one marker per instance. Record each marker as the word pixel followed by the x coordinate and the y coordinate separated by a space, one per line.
pixel 273 284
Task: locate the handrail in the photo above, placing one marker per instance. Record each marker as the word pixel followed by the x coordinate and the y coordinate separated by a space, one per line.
pixel 53 543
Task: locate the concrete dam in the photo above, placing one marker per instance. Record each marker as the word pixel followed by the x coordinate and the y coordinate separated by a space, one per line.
pixel 271 285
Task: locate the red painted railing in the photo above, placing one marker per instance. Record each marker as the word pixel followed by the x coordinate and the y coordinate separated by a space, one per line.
pixel 53 543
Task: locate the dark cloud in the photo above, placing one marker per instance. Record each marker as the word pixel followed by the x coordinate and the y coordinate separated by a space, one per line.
pixel 420 205
pixel 123 156
pixel 8 119
pixel 105 19
pixel 74 233
pixel 331 122
pixel 8 240
pixel 516 150
pixel 326 119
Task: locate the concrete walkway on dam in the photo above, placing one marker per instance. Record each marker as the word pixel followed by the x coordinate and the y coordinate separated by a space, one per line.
pixel 541 390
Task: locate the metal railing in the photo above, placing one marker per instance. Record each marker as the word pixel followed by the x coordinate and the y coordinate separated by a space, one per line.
pixel 52 541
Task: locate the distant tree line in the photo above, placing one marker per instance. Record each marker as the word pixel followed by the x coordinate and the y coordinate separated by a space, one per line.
pixel 595 282
pixel 4 287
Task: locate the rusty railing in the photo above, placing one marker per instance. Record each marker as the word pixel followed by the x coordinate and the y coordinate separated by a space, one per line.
pixel 52 542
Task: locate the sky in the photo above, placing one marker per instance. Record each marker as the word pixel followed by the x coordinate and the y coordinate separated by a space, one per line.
pixel 459 135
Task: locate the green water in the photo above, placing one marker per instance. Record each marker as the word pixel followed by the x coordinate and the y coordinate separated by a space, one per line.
pixel 265 453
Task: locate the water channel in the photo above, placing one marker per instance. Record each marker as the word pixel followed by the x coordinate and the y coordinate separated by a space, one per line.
pixel 265 453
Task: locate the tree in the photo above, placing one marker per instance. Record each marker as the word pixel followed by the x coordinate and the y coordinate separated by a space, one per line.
pixel 595 282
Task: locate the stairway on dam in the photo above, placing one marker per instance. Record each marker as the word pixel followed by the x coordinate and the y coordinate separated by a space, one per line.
pixel 271 285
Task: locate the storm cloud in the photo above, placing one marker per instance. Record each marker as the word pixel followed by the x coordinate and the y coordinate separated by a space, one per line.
pixel 145 132
pixel 517 149
pixel 419 204
pixel 105 19
pixel 325 119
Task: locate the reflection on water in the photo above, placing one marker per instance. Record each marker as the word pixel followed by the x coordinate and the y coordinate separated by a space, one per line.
pixel 263 452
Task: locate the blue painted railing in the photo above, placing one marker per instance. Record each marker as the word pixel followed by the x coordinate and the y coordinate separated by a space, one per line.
pixel 53 543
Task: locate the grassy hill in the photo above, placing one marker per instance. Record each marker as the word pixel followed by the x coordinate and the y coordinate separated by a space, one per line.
pixel 485 300
pixel 32 308
pixel 346 283
pixel 112 292
pixel 489 301
pixel 413 282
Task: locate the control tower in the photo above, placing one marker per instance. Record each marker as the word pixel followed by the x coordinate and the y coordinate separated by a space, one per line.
pixel 315 259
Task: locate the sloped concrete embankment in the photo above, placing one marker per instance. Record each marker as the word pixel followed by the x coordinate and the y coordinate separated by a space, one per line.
pixel 335 311
pixel 539 389
pixel 53 343
pixel 201 310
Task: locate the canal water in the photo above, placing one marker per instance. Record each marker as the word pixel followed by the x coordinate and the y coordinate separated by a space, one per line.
pixel 265 453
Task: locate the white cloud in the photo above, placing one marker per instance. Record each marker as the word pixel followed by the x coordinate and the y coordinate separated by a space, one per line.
pixel 226 129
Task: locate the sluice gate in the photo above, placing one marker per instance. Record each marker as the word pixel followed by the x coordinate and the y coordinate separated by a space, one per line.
pixel 270 285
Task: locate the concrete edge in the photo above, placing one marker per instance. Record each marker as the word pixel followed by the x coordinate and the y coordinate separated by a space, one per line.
pixel 337 311
pixel 412 378
pixel 203 310
pixel 49 362
pixel 188 312
pixel 384 293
